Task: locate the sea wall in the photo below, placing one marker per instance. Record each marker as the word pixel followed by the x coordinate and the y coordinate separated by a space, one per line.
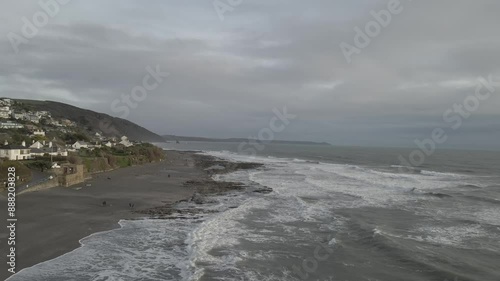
pixel 45 185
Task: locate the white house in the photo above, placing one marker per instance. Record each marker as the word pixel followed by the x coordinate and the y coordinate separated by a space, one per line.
pixel 109 144
pixel 37 145
pixel 33 118
pixel 10 125
pixel 15 152
pixel 125 142
pixel 6 102
pixel 43 114
pixel 58 150
pixel 39 133
pixel 5 112
pixel 18 116
pixel 53 151
pixel 80 144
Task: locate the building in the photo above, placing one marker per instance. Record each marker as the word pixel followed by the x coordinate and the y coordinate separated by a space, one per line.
pixel 41 149
pixel 52 151
pixel 10 125
pixel 5 102
pixel 37 145
pixel 33 118
pixel 5 112
pixel 39 133
pixel 109 144
pixel 15 152
pixel 19 116
pixel 58 150
pixel 43 114
pixel 95 146
pixel 125 142
pixel 80 144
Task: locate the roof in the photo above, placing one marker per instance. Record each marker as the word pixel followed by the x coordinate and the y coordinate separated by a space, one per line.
pixel 44 150
pixel 13 146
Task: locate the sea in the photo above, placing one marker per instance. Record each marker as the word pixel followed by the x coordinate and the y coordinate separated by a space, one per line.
pixel 335 213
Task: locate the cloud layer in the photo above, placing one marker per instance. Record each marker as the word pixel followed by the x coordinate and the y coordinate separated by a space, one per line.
pixel 227 76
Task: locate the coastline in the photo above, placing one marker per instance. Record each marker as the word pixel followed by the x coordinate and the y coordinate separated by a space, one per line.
pixel 52 222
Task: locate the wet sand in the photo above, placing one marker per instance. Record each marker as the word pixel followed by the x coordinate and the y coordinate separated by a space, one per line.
pixel 51 222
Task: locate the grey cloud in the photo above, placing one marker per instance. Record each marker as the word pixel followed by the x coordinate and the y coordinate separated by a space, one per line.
pixel 265 54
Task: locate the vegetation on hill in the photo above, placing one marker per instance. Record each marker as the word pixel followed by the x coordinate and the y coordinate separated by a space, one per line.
pixel 72 138
pixel 15 136
pixel 91 122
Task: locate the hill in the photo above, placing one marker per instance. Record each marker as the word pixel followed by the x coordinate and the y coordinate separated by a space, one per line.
pixel 184 138
pixel 93 121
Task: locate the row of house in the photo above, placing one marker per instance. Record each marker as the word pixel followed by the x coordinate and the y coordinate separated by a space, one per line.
pixel 24 152
pixel 7 112
pixel 5 102
pixel 43 148
pixel 110 143
pixel 10 125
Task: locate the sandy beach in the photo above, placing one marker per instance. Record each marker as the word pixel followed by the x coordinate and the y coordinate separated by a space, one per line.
pixel 51 222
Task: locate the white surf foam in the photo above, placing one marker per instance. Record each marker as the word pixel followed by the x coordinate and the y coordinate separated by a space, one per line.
pixel 139 250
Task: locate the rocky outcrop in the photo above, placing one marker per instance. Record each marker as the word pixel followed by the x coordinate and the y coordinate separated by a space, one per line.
pixel 206 187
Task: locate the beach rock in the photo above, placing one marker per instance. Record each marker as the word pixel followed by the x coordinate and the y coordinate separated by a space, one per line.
pixel 197 198
pixel 264 190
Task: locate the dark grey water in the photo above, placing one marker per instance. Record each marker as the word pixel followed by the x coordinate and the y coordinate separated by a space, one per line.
pixel 335 214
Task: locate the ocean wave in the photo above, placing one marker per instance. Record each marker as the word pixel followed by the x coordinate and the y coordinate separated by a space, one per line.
pixel 138 250
pixel 440 174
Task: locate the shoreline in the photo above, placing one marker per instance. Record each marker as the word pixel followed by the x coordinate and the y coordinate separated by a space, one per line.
pixel 53 222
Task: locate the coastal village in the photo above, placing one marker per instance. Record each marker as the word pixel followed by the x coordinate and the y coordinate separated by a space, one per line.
pixel 38 141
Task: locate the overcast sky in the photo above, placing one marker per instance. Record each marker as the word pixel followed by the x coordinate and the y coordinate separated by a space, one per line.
pixel 226 76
